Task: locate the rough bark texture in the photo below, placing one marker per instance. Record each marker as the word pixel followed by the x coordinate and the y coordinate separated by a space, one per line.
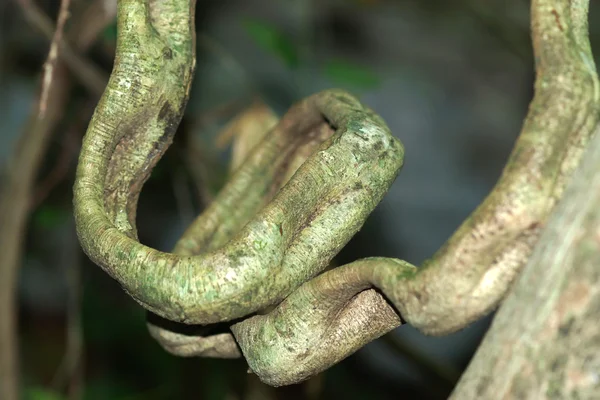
pixel 471 273
pixel 301 195
pixel 545 342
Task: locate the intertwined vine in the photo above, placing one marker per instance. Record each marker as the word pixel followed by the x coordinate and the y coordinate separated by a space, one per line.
pixel 249 267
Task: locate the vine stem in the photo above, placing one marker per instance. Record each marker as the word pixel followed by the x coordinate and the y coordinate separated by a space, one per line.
pixel 253 261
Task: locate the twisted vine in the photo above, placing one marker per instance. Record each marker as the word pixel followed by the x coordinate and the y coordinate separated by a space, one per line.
pixel 251 262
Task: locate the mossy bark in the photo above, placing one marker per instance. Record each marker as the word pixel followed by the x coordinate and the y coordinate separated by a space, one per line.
pixel 300 196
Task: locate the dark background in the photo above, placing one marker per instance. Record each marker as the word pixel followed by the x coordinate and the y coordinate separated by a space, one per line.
pixel 451 78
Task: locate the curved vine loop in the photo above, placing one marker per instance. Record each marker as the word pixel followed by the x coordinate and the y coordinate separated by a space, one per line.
pixel 353 161
pixel 471 273
pixel 301 195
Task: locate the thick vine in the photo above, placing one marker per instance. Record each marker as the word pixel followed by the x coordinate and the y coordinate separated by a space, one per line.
pixel 300 196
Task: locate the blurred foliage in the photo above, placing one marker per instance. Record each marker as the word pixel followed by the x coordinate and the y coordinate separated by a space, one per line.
pixel 36 393
pixel 110 33
pixel 48 216
pixel 341 72
pixel 349 74
pixel 273 40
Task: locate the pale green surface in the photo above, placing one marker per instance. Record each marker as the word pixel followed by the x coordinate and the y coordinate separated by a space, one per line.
pixel 239 258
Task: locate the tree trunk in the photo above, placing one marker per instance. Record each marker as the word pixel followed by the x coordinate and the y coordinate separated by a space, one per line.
pixel 545 341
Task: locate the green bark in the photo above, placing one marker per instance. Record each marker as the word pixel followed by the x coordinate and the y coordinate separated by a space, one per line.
pixel 302 194
pixel 471 273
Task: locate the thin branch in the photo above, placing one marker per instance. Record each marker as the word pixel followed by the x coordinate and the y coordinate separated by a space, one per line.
pixel 18 190
pixel 87 73
pixel 52 59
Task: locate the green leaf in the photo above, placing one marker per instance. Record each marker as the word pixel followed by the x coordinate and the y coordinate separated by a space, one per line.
pixel 49 217
pixel 271 39
pixel 110 32
pixel 106 388
pixel 39 393
pixel 346 73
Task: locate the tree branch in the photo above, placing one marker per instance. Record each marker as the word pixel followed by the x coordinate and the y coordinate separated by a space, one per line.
pixel 52 59
pixel 544 342
pixel 17 193
pixel 88 74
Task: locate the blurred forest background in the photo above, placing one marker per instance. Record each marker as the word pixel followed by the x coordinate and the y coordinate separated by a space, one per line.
pixel 451 78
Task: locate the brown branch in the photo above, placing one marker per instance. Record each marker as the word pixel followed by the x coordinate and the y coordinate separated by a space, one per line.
pixel 18 190
pixel 87 73
pixel 14 210
pixel 52 59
